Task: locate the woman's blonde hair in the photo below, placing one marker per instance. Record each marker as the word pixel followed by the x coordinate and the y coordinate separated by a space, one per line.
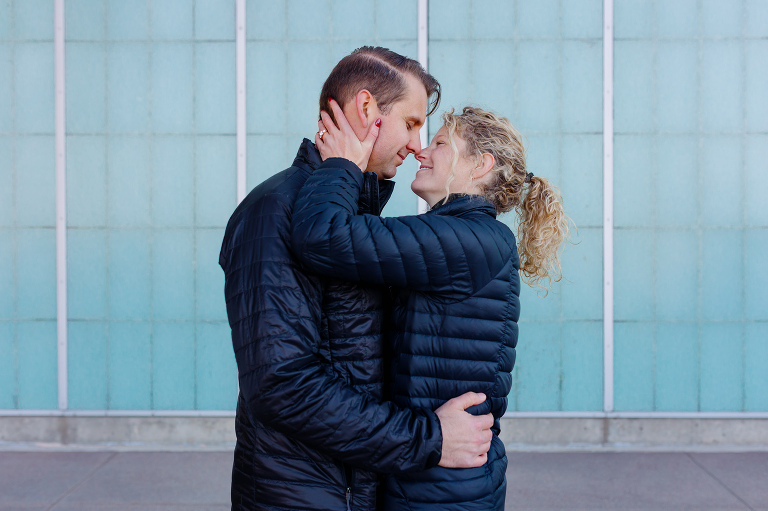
pixel 543 225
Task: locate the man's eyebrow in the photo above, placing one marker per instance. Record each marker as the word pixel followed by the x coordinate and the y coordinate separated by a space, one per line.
pixel 415 120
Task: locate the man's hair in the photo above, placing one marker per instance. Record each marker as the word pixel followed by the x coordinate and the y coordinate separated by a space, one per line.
pixel 379 71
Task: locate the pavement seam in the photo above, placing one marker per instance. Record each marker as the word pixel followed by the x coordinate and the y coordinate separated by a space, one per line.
pixel 713 476
pixel 78 485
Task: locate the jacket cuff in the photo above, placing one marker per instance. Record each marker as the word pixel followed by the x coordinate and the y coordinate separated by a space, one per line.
pixel 342 164
pixel 435 443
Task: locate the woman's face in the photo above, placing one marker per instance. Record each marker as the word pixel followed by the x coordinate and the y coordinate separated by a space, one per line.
pixel 435 168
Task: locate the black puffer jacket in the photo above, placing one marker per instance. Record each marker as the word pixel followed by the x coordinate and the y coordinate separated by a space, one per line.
pixel 308 352
pixel 454 323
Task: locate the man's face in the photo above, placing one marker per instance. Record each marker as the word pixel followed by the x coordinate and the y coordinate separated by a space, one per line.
pixel 399 131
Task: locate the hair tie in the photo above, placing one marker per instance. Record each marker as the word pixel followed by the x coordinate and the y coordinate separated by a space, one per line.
pixel 528 177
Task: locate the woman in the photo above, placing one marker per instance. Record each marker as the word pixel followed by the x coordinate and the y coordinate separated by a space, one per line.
pixel 454 274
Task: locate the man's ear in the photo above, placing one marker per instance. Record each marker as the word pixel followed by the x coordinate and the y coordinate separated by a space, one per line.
pixel 365 105
pixel 485 164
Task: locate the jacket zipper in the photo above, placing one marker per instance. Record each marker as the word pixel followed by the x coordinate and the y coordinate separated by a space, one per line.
pixel 347 474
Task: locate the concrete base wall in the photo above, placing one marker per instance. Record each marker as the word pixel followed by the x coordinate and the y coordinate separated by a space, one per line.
pixel 161 433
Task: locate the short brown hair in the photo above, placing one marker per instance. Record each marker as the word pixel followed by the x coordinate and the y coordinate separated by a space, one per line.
pixel 381 72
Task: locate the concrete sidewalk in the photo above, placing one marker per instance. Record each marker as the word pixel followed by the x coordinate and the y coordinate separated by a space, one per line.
pixel 154 481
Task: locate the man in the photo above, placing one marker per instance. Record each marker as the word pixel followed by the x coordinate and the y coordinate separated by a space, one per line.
pixel 311 427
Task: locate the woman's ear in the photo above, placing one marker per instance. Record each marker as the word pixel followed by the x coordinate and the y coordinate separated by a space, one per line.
pixel 484 165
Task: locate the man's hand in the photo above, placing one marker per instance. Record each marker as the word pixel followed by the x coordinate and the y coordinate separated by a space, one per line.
pixel 466 437
pixel 341 141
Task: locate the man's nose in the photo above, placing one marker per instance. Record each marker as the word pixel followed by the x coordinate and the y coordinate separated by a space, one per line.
pixel 414 144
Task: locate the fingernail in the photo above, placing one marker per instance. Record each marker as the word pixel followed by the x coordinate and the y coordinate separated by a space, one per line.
pixel 378 122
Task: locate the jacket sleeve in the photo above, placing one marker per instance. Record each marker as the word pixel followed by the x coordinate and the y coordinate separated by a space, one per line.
pixel 429 252
pixel 287 387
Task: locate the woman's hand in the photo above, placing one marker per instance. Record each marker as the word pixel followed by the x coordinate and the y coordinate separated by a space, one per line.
pixel 341 141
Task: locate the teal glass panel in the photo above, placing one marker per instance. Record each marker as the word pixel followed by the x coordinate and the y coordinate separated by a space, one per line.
pixel 722 278
pixel 86 181
pixel 677 367
pixel 677 180
pixel 634 181
pixel 534 306
pixel 7 194
pixel 173 19
pixel 37 373
pixel 130 362
pixel 6 88
pixel 86 274
pixel 721 18
pixel 582 179
pixel 583 19
pixel 86 88
pixel 33 19
pixel 676 76
pixel 33 87
pixel 633 274
pixel 35 181
pixel 216 183
pixel 543 158
pixel 755 375
pixel 215 88
pixel 389 20
pixel 676 18
pixel 173 274
pixel 443 56
pixel 172 88
pixel 582 99
pixel 312 61
pixel 7 275
pixel 633 18
pixel 268 154
pixel 538 18
pixel 582 296
pixel 127 20
pixel 633 87
pixel 538 86
pixel 756 273
pixel 538 375
pixel 6 21
pixel 403 200
pixel 128 86
pixel 722 367
pixel 129 274
pixel 214 20
pixel 721 86
pixel 216 370
pixel 209 289
pixel 173 366
pixel 490 20
pixel 721 170
pixel 8 377
pixel 265 19
pixel 85 20
pixel 756 177
pixel 309 20
pixel 677 278
pixel 756 78
pixel 173 188
pixel 756 19
pixel 87 366
pixel 266 90
pixel 582 359
pixel 448 20
pixel 128 197
pixel 352 19
pixel 36 273
pixel 633 366
pixel 494 62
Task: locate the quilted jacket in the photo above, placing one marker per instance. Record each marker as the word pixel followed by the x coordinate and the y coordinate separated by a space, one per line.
pixel 454 325
pixel 310 423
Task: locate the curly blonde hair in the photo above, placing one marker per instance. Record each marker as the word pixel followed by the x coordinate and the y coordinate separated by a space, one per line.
pixel 543 226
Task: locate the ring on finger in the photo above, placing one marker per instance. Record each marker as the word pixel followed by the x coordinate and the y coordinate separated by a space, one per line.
pixel 321 133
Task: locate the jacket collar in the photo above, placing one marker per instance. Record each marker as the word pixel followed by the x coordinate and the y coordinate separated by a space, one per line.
pixel 373 196
pixel 456 204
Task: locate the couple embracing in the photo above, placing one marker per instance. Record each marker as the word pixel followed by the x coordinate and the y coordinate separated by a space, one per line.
pixel 375 354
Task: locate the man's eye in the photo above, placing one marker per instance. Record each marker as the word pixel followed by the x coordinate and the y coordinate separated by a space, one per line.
pixel 409 126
